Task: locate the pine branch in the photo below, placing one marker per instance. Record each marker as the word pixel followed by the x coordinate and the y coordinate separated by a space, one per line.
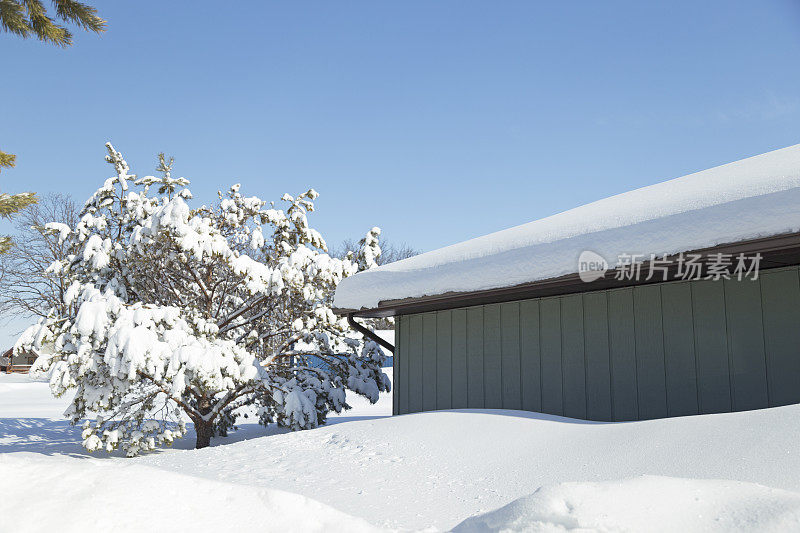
pixel 45 27
pixel 9 205
pixel 14 203
pixel 81 15
pixel 12 19
pixel 5 244
pixel 6 160
pixel 27 18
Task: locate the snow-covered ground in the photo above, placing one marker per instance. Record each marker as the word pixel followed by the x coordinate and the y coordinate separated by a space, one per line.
pixel 56 494
pixel 427 470
pixel 646 503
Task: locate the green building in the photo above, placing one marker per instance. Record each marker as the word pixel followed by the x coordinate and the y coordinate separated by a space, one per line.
pixel 676 299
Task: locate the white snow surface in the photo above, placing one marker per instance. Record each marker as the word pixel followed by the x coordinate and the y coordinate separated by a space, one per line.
pixel 646 503
pixel 748 199
pixel 51 494
pixel 432 471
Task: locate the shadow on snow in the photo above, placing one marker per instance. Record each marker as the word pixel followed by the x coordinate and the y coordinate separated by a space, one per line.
pixel 57 437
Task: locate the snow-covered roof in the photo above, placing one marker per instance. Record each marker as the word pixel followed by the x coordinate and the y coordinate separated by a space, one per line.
pixel 748 199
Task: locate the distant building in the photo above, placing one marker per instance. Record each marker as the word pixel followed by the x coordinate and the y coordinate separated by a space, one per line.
pixel 16 363
pixel 676 299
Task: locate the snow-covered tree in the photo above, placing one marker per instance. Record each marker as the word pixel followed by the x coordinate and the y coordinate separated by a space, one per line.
pixel 369 250
pixel 389 251
pixel 175 312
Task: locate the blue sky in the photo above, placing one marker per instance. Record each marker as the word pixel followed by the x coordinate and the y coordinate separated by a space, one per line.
pixel 438 121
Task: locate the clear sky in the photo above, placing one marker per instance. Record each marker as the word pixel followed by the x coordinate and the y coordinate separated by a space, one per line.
pixel 438 121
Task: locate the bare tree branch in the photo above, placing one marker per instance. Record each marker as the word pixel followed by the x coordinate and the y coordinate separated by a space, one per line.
pixel 26 288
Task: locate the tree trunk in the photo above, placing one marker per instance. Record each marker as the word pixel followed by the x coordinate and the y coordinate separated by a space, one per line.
pixel 204 430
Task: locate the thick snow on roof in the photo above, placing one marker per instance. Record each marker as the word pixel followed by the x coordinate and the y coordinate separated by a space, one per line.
pixel 747 199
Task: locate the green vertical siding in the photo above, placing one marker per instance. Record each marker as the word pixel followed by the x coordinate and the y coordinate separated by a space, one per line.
pixel 444 354
pixel 746 345
pixel 780 294
pixel 573 359
pixel 711 346
pixel 668 349
pixel 530 356
pixel 511 354
pixel 680 367
pixel 492 362
pixel 415 364
pixel 550 348
pixel 475 357
pixel 429 361
pixel 459 381
pixel 598 362
pixel 396 367
pixel 402 378
pixel 650 372
pixel 622 344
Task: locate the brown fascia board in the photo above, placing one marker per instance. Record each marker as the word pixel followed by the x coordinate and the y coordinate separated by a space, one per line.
pixel 777 251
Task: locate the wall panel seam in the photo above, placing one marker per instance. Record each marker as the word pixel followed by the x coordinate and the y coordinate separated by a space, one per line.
pixel 561 351
pixel 694 350
pixel 610 356
pixel 635 356
pixel 450 317
pixel 764 343
pixel 541 367
pixel 729 347
pixel 663 346
pixel 519 354
pixel 500 361
pixel 483 353
pixel 466 354
pixel 585 360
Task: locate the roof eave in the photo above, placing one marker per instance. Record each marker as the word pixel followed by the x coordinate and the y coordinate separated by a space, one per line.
pixel 777 251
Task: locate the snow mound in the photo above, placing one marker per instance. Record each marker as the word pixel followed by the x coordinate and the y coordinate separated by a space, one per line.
pixel 434 469
pixel 646 503
pixel 748 199
pixel 410 472
pixel 50 494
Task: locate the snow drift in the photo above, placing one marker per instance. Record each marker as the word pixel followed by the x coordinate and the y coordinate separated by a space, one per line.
pixel 424 470
pixel 646 503
pixel 51 494
pixel 752 198
pixel 438 468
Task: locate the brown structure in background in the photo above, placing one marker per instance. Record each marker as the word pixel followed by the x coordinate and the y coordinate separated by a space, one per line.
pixel 16 363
